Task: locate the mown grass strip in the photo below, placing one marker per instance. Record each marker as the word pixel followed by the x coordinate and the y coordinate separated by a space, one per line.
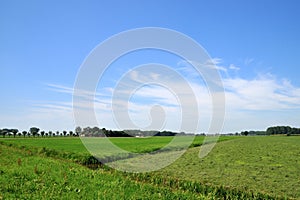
pixel 26 175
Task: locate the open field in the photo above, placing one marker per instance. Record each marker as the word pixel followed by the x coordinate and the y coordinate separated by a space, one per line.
pixel 268 164
pixel 24 175
pixel 238 167
pixel 75 145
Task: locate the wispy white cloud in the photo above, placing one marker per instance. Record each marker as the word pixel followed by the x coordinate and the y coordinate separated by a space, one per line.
pixel 70 90
pixel 233 67
pixel 263 93
pixel 59 88
pixel 214 61
pixel 251 99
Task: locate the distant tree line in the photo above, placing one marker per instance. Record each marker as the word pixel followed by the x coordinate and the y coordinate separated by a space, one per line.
pixel 86 132
pixel 140 133
pixel 35 132
pixel 274 130
pixel 245 133
pixel 283 130
pixel 97 132
pixel 9 132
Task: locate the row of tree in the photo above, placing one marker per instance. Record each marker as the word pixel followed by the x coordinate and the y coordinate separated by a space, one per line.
pixel 97 132
pixel 283 130
pixel 245 133
pixel 274 130
pixel 87 132
pixel 34 131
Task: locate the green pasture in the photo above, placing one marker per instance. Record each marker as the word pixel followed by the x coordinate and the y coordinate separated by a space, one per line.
pixel 24 175
pixel 267 164
pixel 75 145
pixel 251 167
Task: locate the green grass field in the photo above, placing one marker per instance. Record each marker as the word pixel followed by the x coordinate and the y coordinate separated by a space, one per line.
pixel 237 168
pixel 264 164
pixel 24 175
pixel 73 144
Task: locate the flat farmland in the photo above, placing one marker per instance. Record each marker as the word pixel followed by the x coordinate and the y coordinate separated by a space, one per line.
pixel 267 164
pixel 261 167
pixel 24 175
pixel 75 145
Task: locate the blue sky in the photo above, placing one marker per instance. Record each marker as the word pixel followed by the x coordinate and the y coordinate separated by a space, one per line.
pixel 255 44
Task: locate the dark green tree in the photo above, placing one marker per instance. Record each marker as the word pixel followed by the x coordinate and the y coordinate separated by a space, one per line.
pixel 4 132
pixel 34 131
pixel 71 133
pixel 78 130
pixel 14 131
pixel 42 133
pixel 270 131
pixel 281 130
pixel 24 133
pixel 245 133
pixel 104 131
pixel 87 131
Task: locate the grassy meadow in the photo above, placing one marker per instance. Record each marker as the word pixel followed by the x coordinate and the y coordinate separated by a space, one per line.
pixel 267 164
pixel 75 145
pixel 24 175
pixel 261 167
